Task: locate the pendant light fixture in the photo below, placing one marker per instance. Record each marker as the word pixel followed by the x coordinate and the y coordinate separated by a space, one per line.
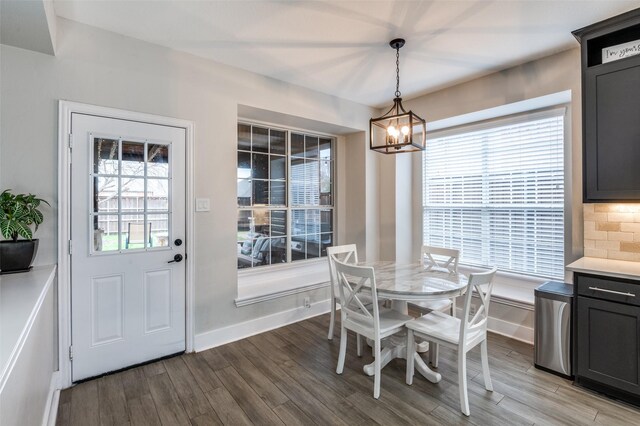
pixel 397 130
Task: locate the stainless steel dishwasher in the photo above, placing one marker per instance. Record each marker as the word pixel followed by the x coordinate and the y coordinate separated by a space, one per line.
pixel 552 339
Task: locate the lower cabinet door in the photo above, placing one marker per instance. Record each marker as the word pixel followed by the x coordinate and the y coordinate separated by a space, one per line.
pixel 609 343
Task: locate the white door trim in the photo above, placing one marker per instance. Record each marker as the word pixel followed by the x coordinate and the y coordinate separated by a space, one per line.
pixel 65 109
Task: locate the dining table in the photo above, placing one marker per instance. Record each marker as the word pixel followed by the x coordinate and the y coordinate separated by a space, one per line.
pixel 405 282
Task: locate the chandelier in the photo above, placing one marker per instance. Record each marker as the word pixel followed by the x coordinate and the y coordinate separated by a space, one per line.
pixel 397 130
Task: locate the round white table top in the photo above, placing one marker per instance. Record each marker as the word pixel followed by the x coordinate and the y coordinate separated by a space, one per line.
pixel 413 282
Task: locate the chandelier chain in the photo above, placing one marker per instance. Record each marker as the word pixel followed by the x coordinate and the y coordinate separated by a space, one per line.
pixel 397 72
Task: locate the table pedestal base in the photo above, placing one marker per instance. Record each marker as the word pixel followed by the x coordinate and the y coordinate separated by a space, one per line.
pixel 396 347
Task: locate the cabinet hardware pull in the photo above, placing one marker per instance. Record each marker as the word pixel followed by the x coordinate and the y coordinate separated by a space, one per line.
pixel 604 290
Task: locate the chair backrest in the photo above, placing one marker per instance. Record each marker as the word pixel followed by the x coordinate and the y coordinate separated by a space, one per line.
pixel 479 320
pixel 347 253
pixel 136 232
pixel 352 280
pixel 447 259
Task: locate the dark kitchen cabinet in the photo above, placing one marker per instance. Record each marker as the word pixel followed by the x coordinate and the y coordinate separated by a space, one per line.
pixel 607 336
pixel 611 111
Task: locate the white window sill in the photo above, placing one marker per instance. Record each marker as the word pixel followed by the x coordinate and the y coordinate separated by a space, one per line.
pixel 267 283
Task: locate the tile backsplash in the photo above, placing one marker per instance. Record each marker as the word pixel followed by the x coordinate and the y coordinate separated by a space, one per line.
pixel 612 231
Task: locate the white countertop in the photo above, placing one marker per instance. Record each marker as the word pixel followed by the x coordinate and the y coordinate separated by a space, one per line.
pixel 608 267
pixel 21 296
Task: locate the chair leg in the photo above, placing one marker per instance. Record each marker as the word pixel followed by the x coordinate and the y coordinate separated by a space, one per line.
pixel 333 318
pixel 485 366
pixel 359 344
pixel 343 350
pixel 376 365
pixel 410 351
pixel 453 307
pixel 462 382
pixel 434 352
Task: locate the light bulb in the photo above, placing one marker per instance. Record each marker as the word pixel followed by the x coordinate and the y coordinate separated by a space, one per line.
pixel 391 130
pixel 405 130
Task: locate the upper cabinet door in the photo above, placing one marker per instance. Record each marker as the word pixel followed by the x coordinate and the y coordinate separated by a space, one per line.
pixel 611 109
pixel 612 131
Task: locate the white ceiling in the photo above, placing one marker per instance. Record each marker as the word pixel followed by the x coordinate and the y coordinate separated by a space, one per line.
pixel 341 47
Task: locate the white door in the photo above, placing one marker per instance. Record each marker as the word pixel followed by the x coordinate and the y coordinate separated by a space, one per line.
pixel 127 243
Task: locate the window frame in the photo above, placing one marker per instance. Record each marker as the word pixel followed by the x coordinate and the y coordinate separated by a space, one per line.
pixel 262 275
pixel 501 116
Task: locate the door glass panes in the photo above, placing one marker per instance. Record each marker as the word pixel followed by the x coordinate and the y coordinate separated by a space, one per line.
pixel 105 233
pixel 133 158
pixel 105 156
pixel 130 195
pixel 157 160
pixel 157 197
pixel 278 170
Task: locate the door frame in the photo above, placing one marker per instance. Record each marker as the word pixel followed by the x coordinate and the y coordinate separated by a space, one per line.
pixel 65 109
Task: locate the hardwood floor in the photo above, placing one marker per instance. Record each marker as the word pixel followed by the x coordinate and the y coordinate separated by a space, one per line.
pixel 287 376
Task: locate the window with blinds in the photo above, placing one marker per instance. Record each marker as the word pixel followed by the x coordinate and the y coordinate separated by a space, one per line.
pixel 495 191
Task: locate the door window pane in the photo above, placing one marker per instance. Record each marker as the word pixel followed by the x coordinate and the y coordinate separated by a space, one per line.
pixel 134 235
pixel 157 194
pixel 157 160
pixel 244 192
pixel 105 156
pixel 105 233
pixel 133 158
pixel 159 227
pixel 132 195
pixel 105 198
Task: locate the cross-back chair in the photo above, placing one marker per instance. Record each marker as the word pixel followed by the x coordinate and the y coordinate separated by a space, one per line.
pixel 438 259
pixel 347 253
pixel 462 334
pixel 369 320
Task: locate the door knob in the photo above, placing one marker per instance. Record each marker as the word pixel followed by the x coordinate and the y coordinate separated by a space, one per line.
pixel 176 258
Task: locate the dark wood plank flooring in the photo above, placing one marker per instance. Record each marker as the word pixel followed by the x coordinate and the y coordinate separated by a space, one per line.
pixel 287 376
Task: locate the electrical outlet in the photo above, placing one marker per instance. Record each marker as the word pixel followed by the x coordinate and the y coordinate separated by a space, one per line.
pixel 307 302
pixel 472 310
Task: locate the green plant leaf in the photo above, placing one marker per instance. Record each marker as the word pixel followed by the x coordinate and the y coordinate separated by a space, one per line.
pixel 6 228
pixel 37 217
pixel 23 230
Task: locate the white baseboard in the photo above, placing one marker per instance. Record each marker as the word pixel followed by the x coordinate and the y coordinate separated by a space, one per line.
pixel 511 330
pixel 51 407
pixel 508 329
pixel 232 333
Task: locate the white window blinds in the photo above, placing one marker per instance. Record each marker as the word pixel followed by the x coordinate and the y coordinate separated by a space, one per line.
pixel 496 192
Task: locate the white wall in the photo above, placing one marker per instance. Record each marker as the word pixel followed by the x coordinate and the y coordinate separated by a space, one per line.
pixel 98 67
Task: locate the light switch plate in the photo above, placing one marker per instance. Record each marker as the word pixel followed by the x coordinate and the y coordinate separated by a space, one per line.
pixel 202 205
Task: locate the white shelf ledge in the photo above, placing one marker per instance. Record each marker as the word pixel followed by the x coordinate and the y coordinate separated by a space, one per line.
pixel 21 296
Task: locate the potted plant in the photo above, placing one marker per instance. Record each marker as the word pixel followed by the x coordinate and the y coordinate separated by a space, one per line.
pixel 18 214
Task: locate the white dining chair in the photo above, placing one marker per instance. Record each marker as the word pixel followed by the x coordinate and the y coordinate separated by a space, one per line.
pixel 371 321
pixel 347 253
pixel 462 334
pixel 446 260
